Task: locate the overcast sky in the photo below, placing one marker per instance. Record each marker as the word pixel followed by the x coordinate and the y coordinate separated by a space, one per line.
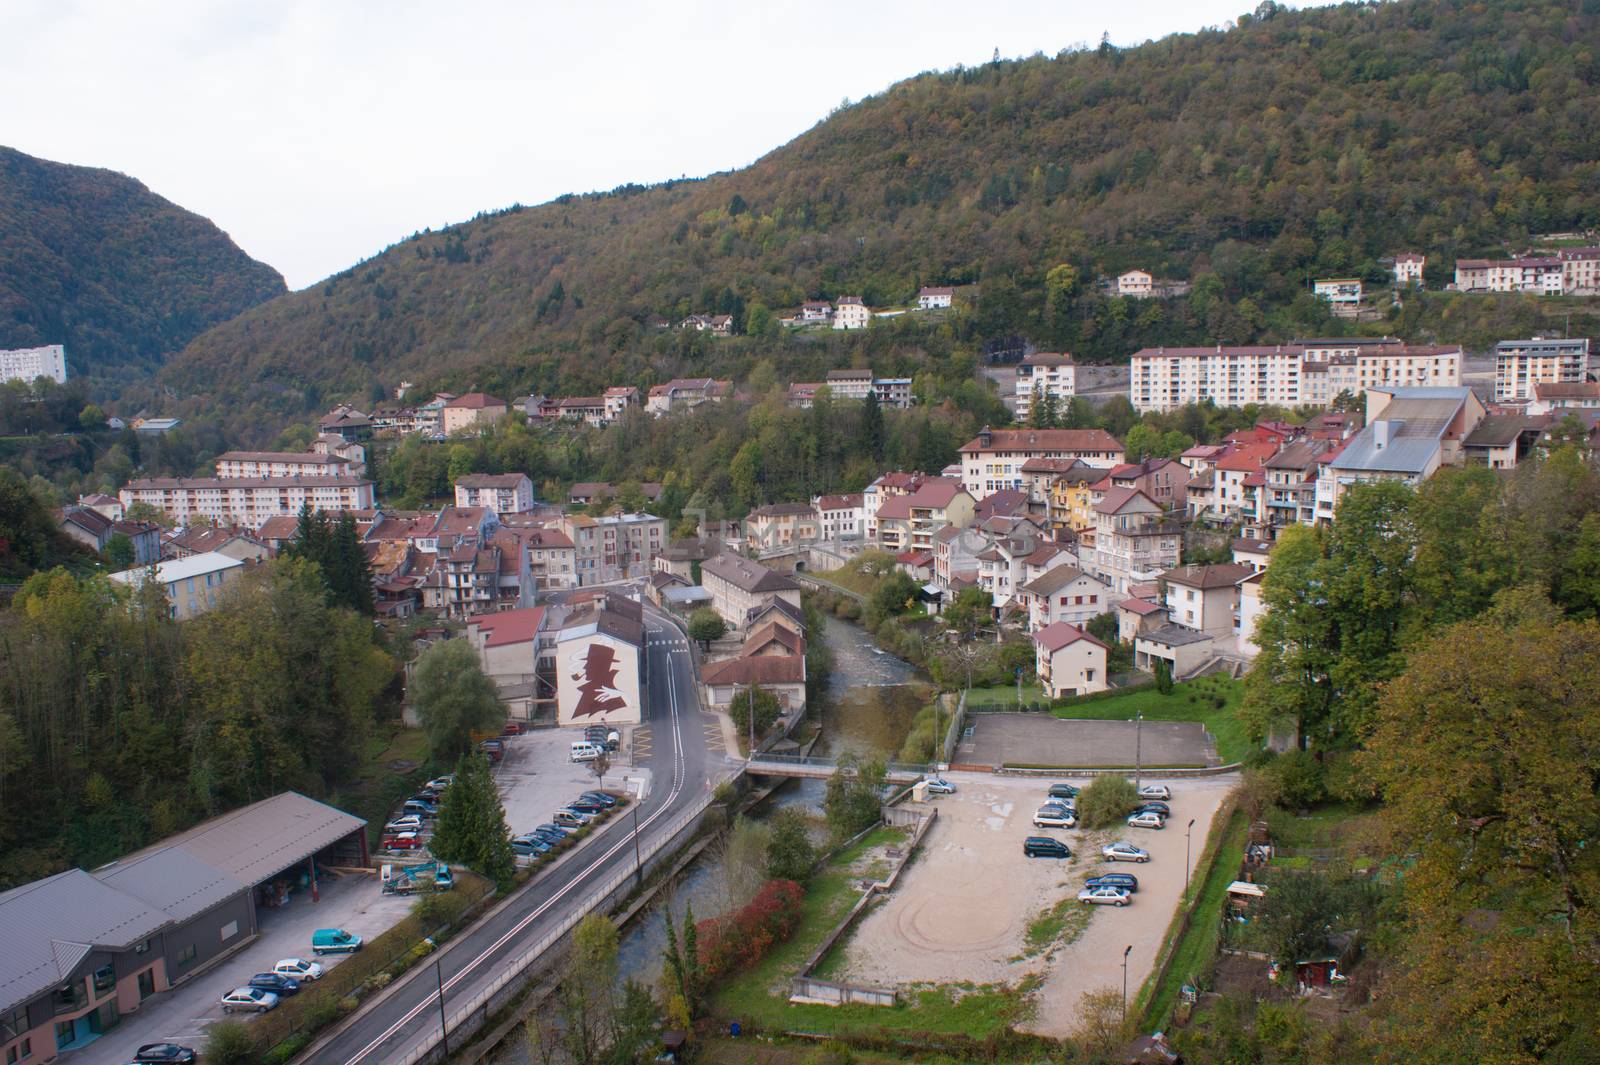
pixel 318 131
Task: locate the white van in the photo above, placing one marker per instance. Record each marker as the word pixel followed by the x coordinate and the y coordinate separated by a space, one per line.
pixel 586 752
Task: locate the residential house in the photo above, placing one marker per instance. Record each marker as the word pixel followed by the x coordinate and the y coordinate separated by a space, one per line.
pixel 779 525
pixel 1254 552
pixel 110 506
pixel 346 422
pixel 1340 292
pixel 230 542
pixel 680 557
pixel 1134 539
pixel 1068 661
pixel 472 411
pixel 816 311
pixel 1183 649
pixel 599 667
pixel 353 454
pixel 246 500
pixel 1045 375
pixel 1137 616
pixel 588 409
pixel 192 585
pixel 1289 495
pixel 508 646
pixel 465 579
pixel 1251 607
pixel 1500 441
pixel 1537 274
pixel 155 426
pixel 685 392
pixel 552 559
pixel 1520 365
pixel 1063 486
pixel 1580 270
pixel 850 384
pixel 909 521
pixel 934 298
pixel 1408 269
pixel 994 458
pixel 1164 480
pixel 955 556
pixel 618 399
pixel 1136 284
pixel 1204 597
pixel 1549 399
pixel 842 517
pixel 716 324
pixel 738 587
pixel 783 676
pixel 94 530
pixel 1066 594
pixel 503 493
pixel 850 313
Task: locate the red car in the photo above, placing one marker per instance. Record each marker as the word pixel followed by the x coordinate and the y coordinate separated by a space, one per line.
pixel 513 728
pixel 404 841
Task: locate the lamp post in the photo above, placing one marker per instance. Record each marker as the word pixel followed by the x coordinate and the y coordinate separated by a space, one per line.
pixel 1138 747
pixel 1125 954
pixel 638 864
pixel 1186 834
pixel 444 1024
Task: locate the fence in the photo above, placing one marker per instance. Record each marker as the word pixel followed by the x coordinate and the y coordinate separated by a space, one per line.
pixel 466 1018
pixel 953 736
pixel 814 990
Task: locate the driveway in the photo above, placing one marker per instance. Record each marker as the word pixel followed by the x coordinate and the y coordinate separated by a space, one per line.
pixel 181 1015
pixel 1038 739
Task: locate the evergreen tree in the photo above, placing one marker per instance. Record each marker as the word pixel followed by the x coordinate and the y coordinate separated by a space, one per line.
pixel 350 575
pixel 472 824
pixel 872 425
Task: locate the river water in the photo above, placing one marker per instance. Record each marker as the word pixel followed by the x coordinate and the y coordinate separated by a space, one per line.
pixel 867 708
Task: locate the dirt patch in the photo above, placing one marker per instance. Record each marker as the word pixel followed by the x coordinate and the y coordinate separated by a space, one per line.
pixel 1038 739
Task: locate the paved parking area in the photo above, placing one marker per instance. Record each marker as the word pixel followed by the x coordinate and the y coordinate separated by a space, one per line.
pixel 536 777
pixel 181 1015
pixel 1039 739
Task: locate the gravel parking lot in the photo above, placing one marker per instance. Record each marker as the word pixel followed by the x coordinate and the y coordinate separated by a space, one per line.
pixel 181 1015
pixel 1039 739
pixel 961 910
pixel 536 777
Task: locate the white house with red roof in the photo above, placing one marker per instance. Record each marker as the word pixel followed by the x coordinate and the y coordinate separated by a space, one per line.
pixel 1068 661
pixel 994 458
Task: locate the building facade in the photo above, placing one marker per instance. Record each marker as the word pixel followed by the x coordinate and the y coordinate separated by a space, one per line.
pixel 246 501
pixel 993 460
pixel 1043 374
pixel 504 493
pixel 1521 365
pixel 26 364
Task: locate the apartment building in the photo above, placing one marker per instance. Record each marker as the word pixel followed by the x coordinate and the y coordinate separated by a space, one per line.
pixel 1520 365
pixel 27 364
pixel 234 464
pixel 1408 268
pixel 471 411
pixel 503 493
pixel 1410 433
pixel 192 584
pixel 1134 540
pixel 552 559
pixel 1580 270
pixel 1045 373
pixel 1541 274
pixel 842 517
pixel 1205 598
pixel 850 313
pixel 246 500
pixel 909 522
pixel 1137 284
pixel 1164 379
pixel 614 546
pixel 1379 366
pixel 994 458
pixel 618 399
pixel 781 525
pixel 1547 399
pixel 1339 291
pixel 740 586
pixel 1064 593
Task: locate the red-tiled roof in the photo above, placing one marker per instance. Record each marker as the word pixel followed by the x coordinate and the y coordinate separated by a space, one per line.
pixel 1060 634
pixel 1096 440
pixel 508 626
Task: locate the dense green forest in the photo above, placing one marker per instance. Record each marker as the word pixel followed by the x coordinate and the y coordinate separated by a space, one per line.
pixel 94 260
pixel 119 725
pixel 1298 144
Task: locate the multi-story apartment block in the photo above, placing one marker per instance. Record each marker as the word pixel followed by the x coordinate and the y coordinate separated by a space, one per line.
pixel 684 392
pixel 1289 496
pixel 246 500
pixel 1408 268
pixel 552 559
pixel 1135 540
pixel 994 458
pixel 192 584
pixel 26 364
pixel 781 525
pixel 1580 270
pixel 232 464
pixel 471 411
pixel 504 493
pixel 1519 365
pixel 908 522
pixel 1379 366
pixel 1045 373
pixel 1543 275
pixel 1338 291
pixel 842 517
pixel 1410 433
pixel 615 546
pixel 934 298
pixel 740 586
pixel 1163 379
pixel 851 313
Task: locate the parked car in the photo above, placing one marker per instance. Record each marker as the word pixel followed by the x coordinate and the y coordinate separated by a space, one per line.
pixel 1148 819
pixel 419 808
pixel 513 728
pixel 299 968
pixel 334 941
pixel 1127 881
pixel 249 998
pixel 277 983
pixel 601 736
pixel 1154 807
pixel 939 786
pixel 587 806
pixel 1105 895
pixel 1124 852
pixel 1155 791
pixel 604 799
pixel 402 841
pixel 1063 791
pixel 529 848
pixel 1054 817
pixel 440 783
pixel 569 817
pixel 1044 847
pixel 408 823
pixel 551 837
pixel 163 1052
pixel 554 830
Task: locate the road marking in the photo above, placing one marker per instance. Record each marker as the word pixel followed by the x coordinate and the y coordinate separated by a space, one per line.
pixel 678 772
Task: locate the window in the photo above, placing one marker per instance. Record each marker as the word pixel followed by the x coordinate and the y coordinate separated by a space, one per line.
pixel 105 978
pixel 230 930
pixel 21 1052
pixel 147 984
pixel 14 1023
pixel 1088 674
pixel 71 996
pixel 187 955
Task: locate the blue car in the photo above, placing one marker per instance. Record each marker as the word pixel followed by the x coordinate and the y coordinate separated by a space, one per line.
pixel 529 848
pixel 277 983
pixel 1127 881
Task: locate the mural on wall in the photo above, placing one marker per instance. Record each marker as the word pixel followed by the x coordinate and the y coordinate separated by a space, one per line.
pixel 597 683
pixel 597 680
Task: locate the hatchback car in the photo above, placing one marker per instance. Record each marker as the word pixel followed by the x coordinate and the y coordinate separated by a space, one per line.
pixel 529 848
pixel 277 983
pixel 1154 807
pixel 1063 791
pixel 1044 847
pixel 440 783
pixel 586 805
pixel 1155 791
pixel 1104 895
pixel 939 786
pixel 608 801
pixel 1148 819
pixel 1122 880
pixel 1054 817
pixel 248 998
pixel 1124 852
pixel 299 968
pixel 151 1053
pixel 408 823
pixel 548 835
pixel 570 817
pixel 403 841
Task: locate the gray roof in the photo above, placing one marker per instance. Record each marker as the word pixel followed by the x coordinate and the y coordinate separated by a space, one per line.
pixel 1175 636
pixel 48 927
pixel 692 594
pixel 1415 419
pixel 747 574
pixel 1499 430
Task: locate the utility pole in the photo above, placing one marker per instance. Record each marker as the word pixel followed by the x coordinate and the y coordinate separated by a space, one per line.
pixel 1125 954
pixel 444 1025
pixel 1138 747
pixel 1186 833
pixel 638 863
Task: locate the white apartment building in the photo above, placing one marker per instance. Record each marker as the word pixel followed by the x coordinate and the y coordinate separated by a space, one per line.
pixel 1580 270
pixel 25 364
pixel 851 313
pixel 234 464
pixel 192 584
pixel 246 500
pixel 1338 290
pixel 503 493
pixel 1135 283
pixel 1163 379
pixel 993 459
pixel 841 517
pixel 1542 275
pixel 1394 366
pixel 1045 373
pixel 858 384
pixel 1408 268
pixel 1519 365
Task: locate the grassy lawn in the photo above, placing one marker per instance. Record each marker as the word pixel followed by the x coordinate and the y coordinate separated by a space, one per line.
pixel 848 577
pixel 1199 944
pixel 758 998
pixel 1005 695
pixel 379 787
pixel 1222 722
pixel 1057 926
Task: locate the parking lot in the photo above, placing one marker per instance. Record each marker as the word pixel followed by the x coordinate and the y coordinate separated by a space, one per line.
pixel 181 1015
pixel 1039 739
pixel 537 776
pixel 960 912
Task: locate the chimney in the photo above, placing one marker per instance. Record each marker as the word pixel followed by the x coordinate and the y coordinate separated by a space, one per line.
pixel 1382 431
pixel 985 436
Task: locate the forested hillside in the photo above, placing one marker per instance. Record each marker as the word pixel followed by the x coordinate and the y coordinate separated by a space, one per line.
pixel 1296 145
pixel 96 261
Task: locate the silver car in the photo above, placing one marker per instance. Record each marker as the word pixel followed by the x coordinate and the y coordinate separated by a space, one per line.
pixel 248 998
pixel 1105 895
pixel 1122 851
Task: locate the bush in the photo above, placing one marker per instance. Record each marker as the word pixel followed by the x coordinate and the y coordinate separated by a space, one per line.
pixel 726 794
pixel 790 855
pixel 767 710
pixel 1106 801
pixel 1300 779
pixel 831 1053
pixel 730 943
pixel 229 1043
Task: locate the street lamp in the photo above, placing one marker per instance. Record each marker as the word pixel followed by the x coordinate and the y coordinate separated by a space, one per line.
pixel 1138 747
pixel 638 864
pixel 1125 954
pixel 1186 833
pixel 444 1024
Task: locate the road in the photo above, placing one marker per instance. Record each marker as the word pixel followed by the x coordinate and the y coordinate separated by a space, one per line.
pixel 407 1016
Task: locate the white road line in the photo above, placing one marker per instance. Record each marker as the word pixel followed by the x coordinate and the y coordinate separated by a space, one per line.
pixel 466 970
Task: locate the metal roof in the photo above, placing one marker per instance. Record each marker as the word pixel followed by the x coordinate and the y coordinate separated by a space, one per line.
pixel 179 569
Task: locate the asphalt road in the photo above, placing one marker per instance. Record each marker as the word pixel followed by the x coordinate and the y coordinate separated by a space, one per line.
pixel 407 1015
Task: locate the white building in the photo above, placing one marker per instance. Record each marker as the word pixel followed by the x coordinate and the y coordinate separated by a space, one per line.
pixel 1408 268
pixel 192 584
pixel 504 493
pixel 1338 290
pixel 1304 373
pixel 1068 661
pixel 233 464
pixel 25 364
pixel 851 313
pixel 246 500
pixel 1045 373
pixel 599 658
pixel 1135 283
pixel 1580 270
pixel 934 298
pixel 841 517
pixel 993 459
pixel 1519 365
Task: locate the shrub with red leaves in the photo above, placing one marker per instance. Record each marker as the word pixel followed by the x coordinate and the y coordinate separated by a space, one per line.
pixel 739 940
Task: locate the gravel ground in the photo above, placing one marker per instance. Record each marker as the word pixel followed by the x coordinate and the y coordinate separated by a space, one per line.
pixel 961 910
